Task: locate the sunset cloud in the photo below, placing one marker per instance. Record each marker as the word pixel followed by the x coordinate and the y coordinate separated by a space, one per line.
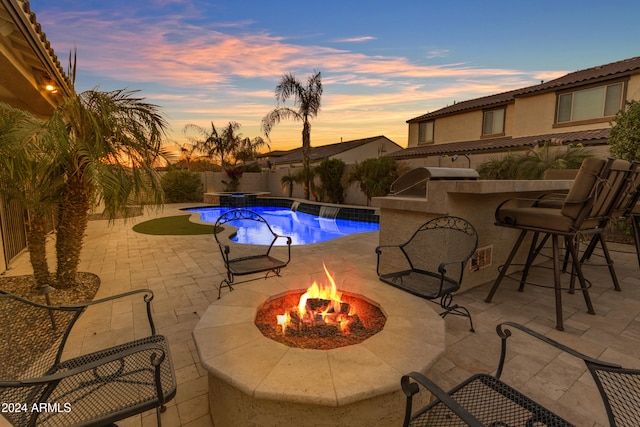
pixel 224 71
pixel 356 39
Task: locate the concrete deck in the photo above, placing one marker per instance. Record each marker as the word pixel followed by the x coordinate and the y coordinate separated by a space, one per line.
pixel 183 272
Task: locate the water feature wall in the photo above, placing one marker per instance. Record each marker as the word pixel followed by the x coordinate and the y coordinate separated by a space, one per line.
pixel 330 212
pixel 347 212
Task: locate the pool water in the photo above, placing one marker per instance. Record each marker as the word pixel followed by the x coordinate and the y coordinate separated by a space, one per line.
pixel 304 229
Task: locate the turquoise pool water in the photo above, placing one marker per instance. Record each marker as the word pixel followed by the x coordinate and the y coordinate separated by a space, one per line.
pixel 304 229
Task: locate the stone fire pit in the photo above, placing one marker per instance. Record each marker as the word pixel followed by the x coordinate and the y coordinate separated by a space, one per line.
pixel 255 381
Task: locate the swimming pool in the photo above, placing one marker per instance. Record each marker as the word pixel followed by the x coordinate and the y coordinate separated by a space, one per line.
pixel 303 228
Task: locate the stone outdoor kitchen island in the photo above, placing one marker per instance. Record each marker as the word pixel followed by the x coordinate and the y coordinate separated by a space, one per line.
pixel 257 381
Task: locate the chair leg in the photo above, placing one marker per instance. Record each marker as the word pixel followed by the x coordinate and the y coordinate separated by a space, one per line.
pixel 159 410
pixel 505 266
pixel 572 279
pixel 531 256
pixel 458 310
pixel 583 284
pixel 557 286
pixel 612 271
pixel 224 284
pixel 635 223
pixel 590 248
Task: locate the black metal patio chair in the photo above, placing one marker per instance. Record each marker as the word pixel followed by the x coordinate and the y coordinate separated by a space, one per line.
pixel 595 190
pixel 431 263
pixel 485 400
pixel 95 389
pixel 241 260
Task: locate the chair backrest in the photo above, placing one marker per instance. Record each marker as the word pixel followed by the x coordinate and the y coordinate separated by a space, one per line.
pixel 445 239
pixel 610 190
pixel 583 186
pixel 32 336
pixel 250 222
pixel 620 391
pixel 601 183
pixel 629 194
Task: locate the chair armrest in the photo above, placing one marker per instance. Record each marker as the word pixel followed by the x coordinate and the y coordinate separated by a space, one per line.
pixel 508 201
pixel 113 297
pixel 379 250
pixel 411 388
pixel 55 378
pixel 279 236
pixel 147 299
pixel 504 333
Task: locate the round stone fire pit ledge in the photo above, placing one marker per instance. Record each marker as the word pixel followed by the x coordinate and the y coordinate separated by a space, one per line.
pixel 254 380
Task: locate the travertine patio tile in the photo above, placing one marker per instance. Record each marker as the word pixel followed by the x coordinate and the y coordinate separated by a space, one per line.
pixel 192 388
pixel 193 409
pixel 204 421
pixel 184 272
pixel 180 354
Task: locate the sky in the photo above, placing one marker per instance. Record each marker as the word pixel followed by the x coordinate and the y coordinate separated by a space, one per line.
pixel 382 62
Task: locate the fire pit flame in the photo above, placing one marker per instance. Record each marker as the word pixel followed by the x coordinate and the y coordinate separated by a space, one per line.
pixel 320 305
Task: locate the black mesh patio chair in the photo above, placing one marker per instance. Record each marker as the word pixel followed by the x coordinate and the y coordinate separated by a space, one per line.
pixel 241 260
pixel 485 400
pixel 95 389
pixel 431 263
pixel 596 188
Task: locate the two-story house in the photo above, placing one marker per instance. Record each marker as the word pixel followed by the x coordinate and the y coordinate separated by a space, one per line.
pixel 576 108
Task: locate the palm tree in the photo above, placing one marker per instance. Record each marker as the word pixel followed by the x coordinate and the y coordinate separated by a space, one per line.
pixel 187 152
pixel 306 100
pixel 306 176
pixel 225 144
pixel 107 145
pixel 247 149
pixel 29 176
pixel 374 176
pixel 287 182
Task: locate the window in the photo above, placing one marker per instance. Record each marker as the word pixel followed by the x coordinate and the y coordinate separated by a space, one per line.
pixel 425 132
pixel 493 122
pixel 592 103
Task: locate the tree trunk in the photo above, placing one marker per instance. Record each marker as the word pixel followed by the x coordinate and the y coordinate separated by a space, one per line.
pixel 36 242
pixel 72 224
pixel 306 155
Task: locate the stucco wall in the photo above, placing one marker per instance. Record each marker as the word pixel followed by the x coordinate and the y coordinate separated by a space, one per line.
pixel 529 115
pixel 270 181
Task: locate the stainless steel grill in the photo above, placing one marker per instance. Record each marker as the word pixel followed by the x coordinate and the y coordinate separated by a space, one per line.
pixel 415 182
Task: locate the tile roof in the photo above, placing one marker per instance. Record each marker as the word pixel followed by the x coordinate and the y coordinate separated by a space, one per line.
pixel 326 151
pixel 25 19
pixel 500 144
pixel 594 74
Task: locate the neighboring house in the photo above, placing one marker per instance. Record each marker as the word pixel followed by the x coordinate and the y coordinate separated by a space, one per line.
pixel 573 109
pixel 349 152
pixel 32 80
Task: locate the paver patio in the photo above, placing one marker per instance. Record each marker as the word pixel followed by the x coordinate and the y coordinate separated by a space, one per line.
pixel 183 272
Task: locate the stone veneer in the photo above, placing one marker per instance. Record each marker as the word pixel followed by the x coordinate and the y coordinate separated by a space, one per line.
pixel 255 381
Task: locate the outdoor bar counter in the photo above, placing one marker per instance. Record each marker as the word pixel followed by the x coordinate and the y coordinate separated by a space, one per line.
pixel 475 201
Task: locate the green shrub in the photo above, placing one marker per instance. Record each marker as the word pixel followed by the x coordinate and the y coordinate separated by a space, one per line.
pixel 624 141
pixel 533 163
pixel 330 173
pixel 182 186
